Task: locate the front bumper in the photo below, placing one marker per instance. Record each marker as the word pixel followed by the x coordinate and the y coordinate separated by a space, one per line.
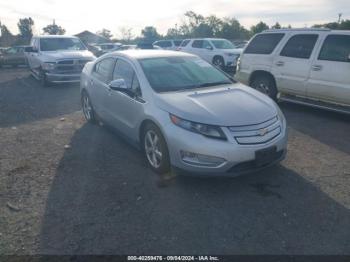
pixel 238 159
pixel 62 78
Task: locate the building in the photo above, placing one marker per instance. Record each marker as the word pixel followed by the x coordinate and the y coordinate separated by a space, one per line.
pixel 90 38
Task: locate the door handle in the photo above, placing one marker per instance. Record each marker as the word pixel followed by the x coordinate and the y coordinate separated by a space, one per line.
pixel 91 82
pixel 316 67
pixel 280 63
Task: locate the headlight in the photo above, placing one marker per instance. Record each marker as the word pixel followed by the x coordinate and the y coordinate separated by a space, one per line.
pixel 281 117
pixel 48 66
pixel 203 129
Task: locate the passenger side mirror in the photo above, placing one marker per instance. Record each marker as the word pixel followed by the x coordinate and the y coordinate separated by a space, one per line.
pixel 120 85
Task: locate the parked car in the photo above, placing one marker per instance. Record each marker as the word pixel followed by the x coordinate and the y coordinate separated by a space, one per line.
pixel 183 112
pixel 127 47
pixel 220 52
pixel 306 66
pixel 168 44
pixel 145 45
pixel 108 47
pixel 57 59
pixel 13 56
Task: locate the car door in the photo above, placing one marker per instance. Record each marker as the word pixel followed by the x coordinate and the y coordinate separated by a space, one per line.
pixel 127 111
pixel 207 51
pixel 330 72
pixel 196 47
pixel 99 86
pixel 291 67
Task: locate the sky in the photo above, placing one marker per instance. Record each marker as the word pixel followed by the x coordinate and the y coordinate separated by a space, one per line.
pixel 78 15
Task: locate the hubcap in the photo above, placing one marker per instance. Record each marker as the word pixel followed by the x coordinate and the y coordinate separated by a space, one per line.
pixel 218 63
pixel 263 88
pixel 152 149
pixel 87 108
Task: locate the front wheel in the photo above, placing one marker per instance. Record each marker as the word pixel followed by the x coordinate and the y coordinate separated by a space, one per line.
pixel 155 149
pixel 219 62
pixel 43 79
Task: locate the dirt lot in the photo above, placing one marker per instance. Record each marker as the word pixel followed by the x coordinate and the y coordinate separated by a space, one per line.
pixel 98 197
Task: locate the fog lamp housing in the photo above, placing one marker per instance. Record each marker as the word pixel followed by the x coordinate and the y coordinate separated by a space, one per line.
pixel 200 160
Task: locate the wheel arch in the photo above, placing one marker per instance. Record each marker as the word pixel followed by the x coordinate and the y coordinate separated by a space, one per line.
pixel 258 73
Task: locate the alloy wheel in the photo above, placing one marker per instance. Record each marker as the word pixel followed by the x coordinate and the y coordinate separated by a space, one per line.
pixel 87 109
pixel 153 149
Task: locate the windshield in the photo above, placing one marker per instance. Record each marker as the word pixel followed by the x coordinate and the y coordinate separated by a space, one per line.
pixel 54 44
pixel 166 74
pixel 223 44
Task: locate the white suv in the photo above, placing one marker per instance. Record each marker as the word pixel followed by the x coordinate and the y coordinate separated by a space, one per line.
pixel 306 66
pixel 220 52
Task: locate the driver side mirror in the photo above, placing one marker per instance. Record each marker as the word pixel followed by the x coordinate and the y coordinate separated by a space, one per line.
pixel 120 85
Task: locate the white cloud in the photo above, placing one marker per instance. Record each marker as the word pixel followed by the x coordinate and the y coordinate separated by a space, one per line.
pixel 78 15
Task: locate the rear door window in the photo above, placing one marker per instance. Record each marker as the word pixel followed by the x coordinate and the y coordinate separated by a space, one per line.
pixel 264 44
pixel 300 46
pixel 197 44
pixel 177 42
pixel 184 43
pixel 336 48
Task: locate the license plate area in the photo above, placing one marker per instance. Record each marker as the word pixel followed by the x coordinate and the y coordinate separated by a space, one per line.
pixel 265 156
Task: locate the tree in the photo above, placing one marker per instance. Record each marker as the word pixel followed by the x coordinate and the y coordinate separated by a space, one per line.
pixel 25 27
pixel 105 33
pixel 150 34
pixel 7 38
pixel 126 34
pixel 276 26
pixel 232 29
pixel 258 28
pixel 54 29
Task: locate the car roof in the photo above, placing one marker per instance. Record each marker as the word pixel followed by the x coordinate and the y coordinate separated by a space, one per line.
pixel 152 53
pixel 205 38
pixel 54 36
pixel 305 30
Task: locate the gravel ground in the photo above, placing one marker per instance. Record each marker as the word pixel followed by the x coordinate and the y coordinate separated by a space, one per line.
pixel 68 187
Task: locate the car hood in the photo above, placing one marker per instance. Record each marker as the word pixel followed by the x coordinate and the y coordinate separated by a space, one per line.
pixel 234 105
pixel 234 51
pixel 52 56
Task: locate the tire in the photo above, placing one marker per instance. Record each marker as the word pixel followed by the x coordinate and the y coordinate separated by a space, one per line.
pixel 155 149
pixel 43 80
pixel 219 62
pixel 266 85
pixel 88 110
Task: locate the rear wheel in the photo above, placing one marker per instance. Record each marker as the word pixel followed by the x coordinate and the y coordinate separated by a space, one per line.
pixel 88 110
pixel 155 149
pixel 266 85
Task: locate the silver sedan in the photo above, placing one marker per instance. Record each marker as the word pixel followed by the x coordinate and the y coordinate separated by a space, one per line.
pixel 184 113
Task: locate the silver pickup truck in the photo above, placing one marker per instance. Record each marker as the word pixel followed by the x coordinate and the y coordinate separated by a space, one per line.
pixel 57 59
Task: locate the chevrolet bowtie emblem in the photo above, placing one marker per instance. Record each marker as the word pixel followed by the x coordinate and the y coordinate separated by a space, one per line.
pixel 263 131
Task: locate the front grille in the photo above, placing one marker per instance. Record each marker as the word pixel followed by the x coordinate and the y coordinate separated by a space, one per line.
pixel 253 165
pixel 256 134
pixel 70 66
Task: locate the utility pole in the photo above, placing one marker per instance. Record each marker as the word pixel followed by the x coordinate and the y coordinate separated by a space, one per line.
pixel 339 17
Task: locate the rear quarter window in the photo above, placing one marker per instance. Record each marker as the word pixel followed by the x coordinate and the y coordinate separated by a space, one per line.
pixel 264 44
pixel 335 48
